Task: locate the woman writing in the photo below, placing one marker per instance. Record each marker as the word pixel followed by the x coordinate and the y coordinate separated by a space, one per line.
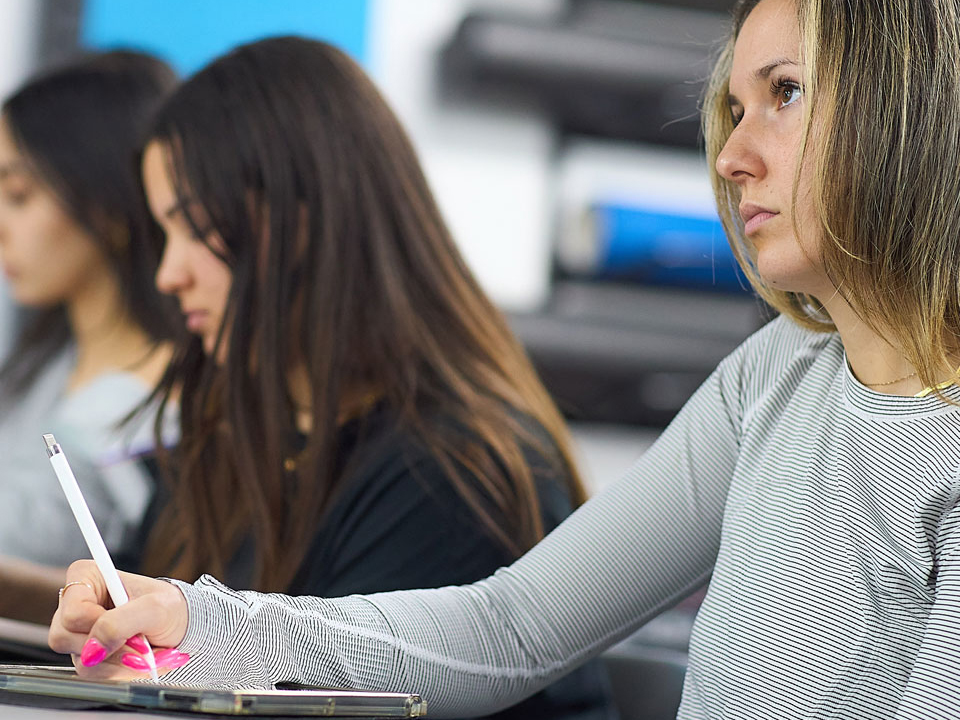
pixel 355 414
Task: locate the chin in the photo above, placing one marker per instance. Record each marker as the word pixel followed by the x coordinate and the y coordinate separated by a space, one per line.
pixel 796 275
pixel 33 300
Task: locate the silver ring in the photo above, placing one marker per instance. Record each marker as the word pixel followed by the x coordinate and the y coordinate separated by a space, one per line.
pixel 71 584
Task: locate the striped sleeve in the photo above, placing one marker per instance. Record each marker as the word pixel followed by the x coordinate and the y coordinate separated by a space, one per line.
pixel 933 687
pixel 635 549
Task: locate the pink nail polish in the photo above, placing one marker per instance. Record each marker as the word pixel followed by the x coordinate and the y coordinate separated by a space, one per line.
pixel 135 662
pixel 181 660
pixel 166 655
pixel 93 653
pixel 138 643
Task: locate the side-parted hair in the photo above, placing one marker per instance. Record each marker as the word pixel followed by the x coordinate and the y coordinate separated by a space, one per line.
pixel 882 139
pixel 341 263
pixel 80 128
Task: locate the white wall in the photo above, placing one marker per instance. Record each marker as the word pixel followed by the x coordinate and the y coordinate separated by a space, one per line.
pixel 490 170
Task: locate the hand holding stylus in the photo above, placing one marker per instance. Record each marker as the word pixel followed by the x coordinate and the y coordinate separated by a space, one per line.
pixel 87 626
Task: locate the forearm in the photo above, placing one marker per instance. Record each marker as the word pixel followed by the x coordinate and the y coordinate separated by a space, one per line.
pixel 468 650
pixel 29 591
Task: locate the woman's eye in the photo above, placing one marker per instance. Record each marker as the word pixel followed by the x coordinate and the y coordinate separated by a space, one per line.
pixel 787 92
pixel 16 194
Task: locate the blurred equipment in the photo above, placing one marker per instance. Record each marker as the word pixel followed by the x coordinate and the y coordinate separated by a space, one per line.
pixel 617 353
pixel 631 71
pixel 646 296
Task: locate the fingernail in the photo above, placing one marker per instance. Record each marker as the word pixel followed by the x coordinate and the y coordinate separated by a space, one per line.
pixel 93 653
pixel 164 656
pixel 135 662
pixel 171 658
pixel 138 643
pixel 179 661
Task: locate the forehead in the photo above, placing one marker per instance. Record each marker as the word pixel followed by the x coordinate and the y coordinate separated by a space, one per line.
pixel 770 33
pixel 8 149
pixel 156 179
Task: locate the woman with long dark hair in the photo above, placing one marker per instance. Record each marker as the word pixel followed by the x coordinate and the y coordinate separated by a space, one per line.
pixel 78 247
pixel 356 415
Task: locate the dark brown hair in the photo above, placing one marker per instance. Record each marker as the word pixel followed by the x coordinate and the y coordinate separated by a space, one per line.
pixel 341 262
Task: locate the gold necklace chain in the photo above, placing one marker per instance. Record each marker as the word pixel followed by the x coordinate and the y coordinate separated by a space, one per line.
pixel 892 382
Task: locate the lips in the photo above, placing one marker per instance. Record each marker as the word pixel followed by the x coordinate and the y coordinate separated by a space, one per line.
pixel 754 216
pixel 196 320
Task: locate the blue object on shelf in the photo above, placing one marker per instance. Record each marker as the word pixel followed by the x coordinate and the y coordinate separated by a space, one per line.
pixel 188 34
pixel 663 248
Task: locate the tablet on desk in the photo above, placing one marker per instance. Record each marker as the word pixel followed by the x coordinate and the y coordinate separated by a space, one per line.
pixel 52 686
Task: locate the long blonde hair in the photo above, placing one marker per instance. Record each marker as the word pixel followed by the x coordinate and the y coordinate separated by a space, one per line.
pixel 883 80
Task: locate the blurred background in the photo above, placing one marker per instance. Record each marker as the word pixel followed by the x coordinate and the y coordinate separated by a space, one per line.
pixel 561 138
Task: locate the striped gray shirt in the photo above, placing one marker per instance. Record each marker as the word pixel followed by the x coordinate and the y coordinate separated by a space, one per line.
pixel 827 513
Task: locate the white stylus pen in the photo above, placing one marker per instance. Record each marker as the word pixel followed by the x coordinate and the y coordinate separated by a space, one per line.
pixel 91 534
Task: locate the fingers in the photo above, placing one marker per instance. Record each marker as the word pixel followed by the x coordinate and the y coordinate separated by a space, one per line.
pixel 86 626
pixel 166 659
pixel 81 604
pixel 159 614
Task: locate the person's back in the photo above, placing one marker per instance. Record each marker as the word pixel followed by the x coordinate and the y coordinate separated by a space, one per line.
pixel 398 523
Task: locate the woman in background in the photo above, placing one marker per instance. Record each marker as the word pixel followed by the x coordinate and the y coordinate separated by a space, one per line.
pixel 78 248
pixel 356 414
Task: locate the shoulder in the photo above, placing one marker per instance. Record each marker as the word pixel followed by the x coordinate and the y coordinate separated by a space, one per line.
pixel 781 349
pixel 444 453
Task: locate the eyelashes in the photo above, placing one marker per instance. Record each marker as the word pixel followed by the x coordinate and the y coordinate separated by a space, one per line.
pixel 785 92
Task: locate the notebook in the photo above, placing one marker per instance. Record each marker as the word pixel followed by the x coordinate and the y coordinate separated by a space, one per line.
pixel 57 686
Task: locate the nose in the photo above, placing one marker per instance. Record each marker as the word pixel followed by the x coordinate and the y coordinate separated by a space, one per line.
pixel 740 160
pixel 172 274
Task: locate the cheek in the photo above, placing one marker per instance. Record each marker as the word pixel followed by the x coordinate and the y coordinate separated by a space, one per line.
pixel 217 280
pixel 49 266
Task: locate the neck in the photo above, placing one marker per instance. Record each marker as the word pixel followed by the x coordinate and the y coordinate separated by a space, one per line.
pixel 875 360
pixel 106 336
pixel 353 403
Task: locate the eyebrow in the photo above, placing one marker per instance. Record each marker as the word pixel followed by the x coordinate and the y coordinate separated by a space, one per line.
pixel 761 75
pixel 764 72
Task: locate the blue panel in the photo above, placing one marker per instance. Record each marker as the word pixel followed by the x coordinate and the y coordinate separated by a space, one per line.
pixel 664 248
pixel 189 33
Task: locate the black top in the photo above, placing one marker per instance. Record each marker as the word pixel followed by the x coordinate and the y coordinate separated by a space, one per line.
pixel 397 523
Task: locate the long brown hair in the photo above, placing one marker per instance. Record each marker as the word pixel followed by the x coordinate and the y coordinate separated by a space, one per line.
pixel 882 82
pixel 341 262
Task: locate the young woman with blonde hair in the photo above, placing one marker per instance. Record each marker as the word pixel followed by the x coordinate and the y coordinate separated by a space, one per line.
pixel 813 477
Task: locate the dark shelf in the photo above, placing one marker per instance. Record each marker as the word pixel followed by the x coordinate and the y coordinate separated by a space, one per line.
pixel 632 354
